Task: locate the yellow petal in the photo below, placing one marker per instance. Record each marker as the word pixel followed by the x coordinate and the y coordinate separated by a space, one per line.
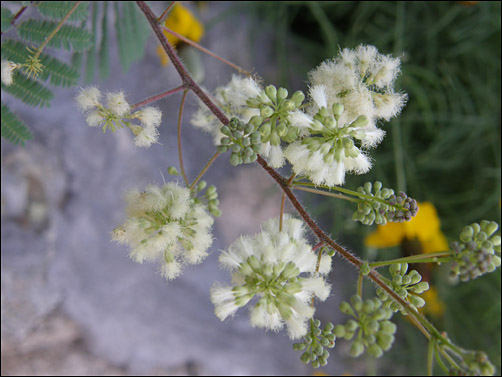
pixel 164 59
pixel 388 235
pixel 425 225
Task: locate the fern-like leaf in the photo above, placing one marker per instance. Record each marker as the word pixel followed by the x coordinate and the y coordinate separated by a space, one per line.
pixel 29 91
pixel 132 33
pixel 6 19
pixel 58 73
pixel 12 128
pixel 91 53
pixel 68 37
pixel 56 10
pixel 104 48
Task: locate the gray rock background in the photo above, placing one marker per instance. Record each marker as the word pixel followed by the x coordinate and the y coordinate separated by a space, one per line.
pixel 72 301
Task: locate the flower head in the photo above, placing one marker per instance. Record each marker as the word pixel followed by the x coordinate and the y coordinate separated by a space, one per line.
pixel 362 80
pixel 165 225
pixel 329 150
pixel 231 99
pixel 8 69
pixel 118 113
pixel 268 265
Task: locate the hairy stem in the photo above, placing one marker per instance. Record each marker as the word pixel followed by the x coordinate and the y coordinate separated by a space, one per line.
pixel 204 169
pixel 206 51
pixel 321 192
pixel 157 97
pixel 180 116
pixel 441 256
pixel 169 7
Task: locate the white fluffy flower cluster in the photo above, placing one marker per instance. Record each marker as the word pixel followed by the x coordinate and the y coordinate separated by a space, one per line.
pixel 231 99
pixel 348 96
pixel 329 151
pixel 362 81
pixel 268 265
pixel 166 225
pixel 8 69
pixel 117 114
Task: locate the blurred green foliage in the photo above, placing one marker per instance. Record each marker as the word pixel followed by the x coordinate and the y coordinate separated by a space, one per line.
pixel 444 147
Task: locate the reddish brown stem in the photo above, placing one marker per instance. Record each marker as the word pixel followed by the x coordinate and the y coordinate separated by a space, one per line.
pixel 157 97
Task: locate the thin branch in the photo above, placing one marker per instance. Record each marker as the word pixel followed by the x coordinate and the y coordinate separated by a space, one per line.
pixel 321 192
pixel 157 97
pixel 180 116
pixel 161 17
pixel 204 169
pixel 206 51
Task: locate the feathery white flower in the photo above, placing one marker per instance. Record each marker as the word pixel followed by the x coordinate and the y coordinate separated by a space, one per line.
pixel 362 80
pixel 88 98
pixel 117 104
pixel 329 151
pixel 231 99
pixel 270 265
pixel 165 225
pixel 8 69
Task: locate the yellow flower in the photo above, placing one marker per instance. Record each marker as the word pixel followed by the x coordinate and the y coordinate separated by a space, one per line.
pixel 425 227
pixel 434 306
pixel 183 22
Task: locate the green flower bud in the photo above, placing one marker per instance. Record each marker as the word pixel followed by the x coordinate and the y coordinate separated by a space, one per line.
pixel 226 130
pixel 275 140
pixel 388 327
pixel 282 93
pixel 346 308
pixel 266 111
pixel 282 129
pixel 356 302
pixel 298 98
pixel 237 134
pixel 216 212
pixel 337 109
pixel 172 170
pixel 357 348
pixel 316 364
pixel 339 331
pixel 201 185
pixel 361 121
pixel 299 346
pixel 305 357
pixel 351 325
pixel 466 234
pixel 234 159
pixel 375 350
pixel 222 148
pixel 271 92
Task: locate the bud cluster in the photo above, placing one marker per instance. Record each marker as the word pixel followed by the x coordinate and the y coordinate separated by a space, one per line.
pixel 210 198
pixel 384 205
pixel 314 343
pixel 275 108
pixel 475 363
pixel 371 321
pixel 478 251
pixel 407 286
pixel 242 140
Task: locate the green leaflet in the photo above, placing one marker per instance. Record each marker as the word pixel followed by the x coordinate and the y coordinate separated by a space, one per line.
pixel 29 91
pixel 6 18
pixel 12 128
pixel 68 37
pixel 58 72
pixel 56 10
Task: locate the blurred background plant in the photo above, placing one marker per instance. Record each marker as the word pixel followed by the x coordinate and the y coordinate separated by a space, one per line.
pixel 444 148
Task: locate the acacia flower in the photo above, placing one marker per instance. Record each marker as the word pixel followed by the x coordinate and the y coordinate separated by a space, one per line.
pixel 183 22
pixel 231 99
pixel 330 151
pixel 362 81
pixel 280 269
pixel 165 225
pixel 117 114
pixel 8 69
